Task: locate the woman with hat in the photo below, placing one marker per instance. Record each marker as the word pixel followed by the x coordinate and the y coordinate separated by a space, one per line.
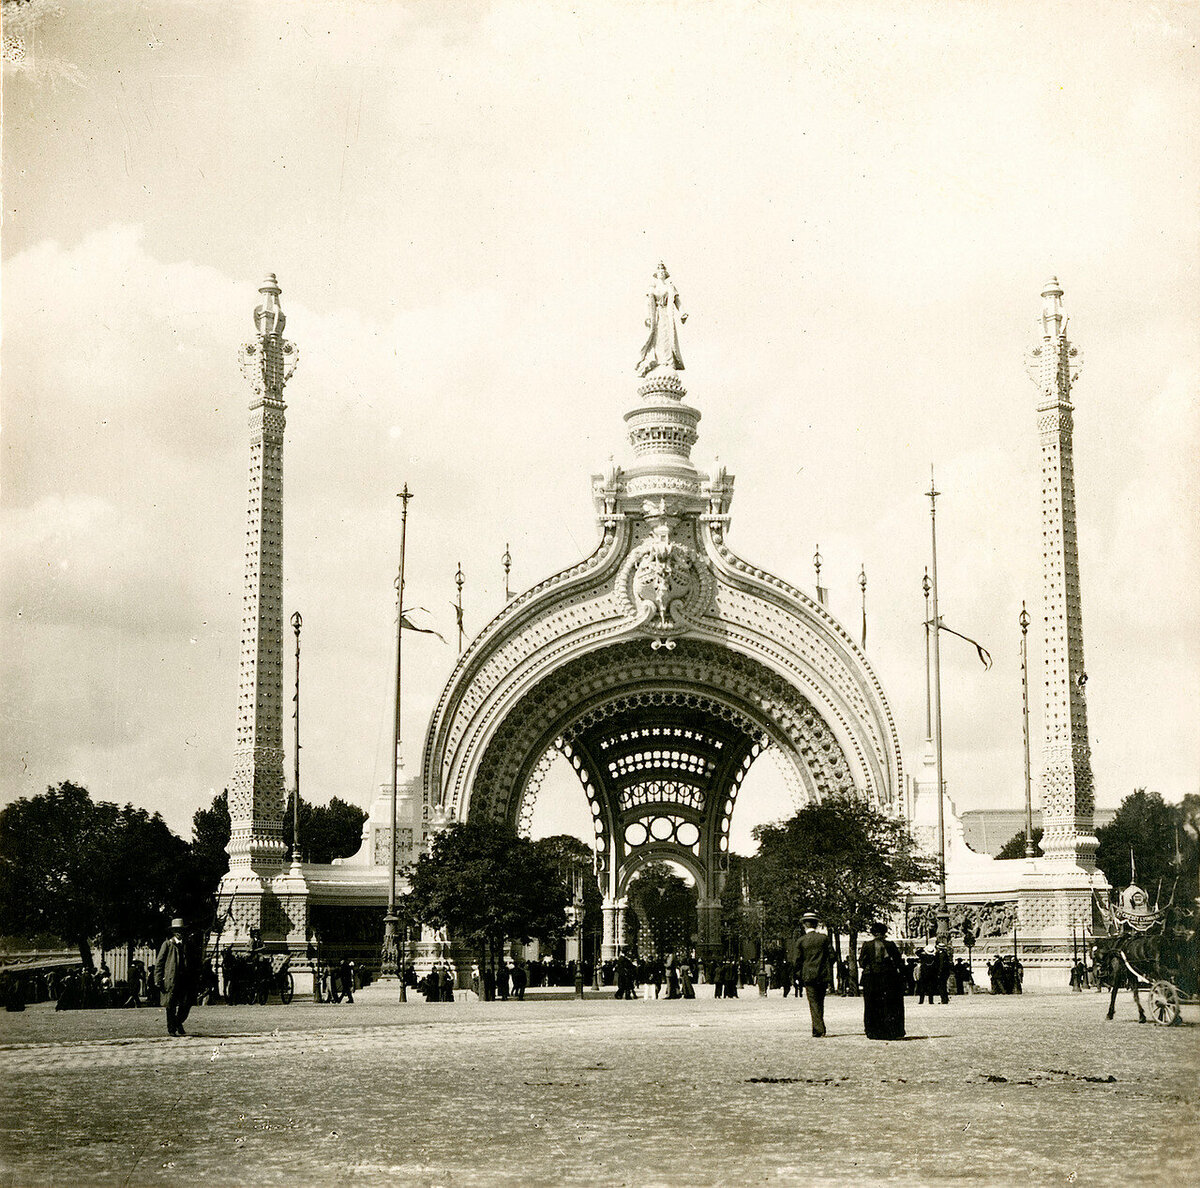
pixel 882 973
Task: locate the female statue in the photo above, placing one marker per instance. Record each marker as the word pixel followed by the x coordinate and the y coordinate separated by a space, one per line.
pixel 662 347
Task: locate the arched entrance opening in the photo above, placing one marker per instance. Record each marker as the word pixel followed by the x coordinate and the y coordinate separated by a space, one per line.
pixel 660 742
pixel 661 920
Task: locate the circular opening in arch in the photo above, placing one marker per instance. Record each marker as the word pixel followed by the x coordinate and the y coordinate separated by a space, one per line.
pixel 661 828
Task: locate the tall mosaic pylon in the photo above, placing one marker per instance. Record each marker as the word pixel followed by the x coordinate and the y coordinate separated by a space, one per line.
pixel 256 793
pixel 1067 789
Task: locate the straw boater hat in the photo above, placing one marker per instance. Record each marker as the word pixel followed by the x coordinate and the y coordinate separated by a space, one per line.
pixel 177 924
pixel 811 916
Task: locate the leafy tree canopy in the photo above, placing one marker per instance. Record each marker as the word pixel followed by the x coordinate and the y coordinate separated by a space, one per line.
pixel 209 859
pixel 1161 837
pixel 1015 846
pixel 487 884
pixel 841 858
pixel 327 831
pixel 574 860
pixel 83 870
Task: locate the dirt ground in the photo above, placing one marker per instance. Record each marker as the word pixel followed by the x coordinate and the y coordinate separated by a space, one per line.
pixel 1031 1089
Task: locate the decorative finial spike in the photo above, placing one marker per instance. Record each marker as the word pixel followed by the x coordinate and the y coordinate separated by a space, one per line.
pixel 268 316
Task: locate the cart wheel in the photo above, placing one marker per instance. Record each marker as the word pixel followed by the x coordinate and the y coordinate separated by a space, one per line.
pixel 287 989
pixel 264 992
pixel 1164 1004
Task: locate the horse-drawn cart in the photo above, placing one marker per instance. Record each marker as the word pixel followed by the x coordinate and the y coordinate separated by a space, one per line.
pixel 1151 949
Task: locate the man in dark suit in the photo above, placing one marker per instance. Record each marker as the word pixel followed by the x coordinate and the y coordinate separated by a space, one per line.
pixel 173 977
pixel 815 960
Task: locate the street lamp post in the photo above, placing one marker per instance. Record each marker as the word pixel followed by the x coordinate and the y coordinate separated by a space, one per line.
pixel 943 912
pixel 762 949
pixel 596 936
pixel 388 964
pixel 1030 851
pixel 577 888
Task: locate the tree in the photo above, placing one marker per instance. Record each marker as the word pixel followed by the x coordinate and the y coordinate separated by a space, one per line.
pixel 147 876
pixel 327 831
pixel 1158 836
pixel 1015 846
pixel 209 859
pixel 49 877
pixel 840 858
pixel 488 885
pixel 575 859
pixel 665 902
pixel 85 870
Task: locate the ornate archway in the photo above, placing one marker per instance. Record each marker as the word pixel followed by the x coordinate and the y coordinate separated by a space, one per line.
pixel 660 666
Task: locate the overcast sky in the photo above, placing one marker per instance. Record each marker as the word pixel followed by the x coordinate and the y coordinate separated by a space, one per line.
pixel 859 203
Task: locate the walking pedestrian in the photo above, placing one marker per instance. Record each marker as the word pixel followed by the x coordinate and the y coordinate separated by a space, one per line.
pixel 882 985
pixel 346 977
pixel 173 977
pixel 815 960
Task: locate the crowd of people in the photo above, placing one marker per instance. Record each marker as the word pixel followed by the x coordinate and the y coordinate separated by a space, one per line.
pixel 178 978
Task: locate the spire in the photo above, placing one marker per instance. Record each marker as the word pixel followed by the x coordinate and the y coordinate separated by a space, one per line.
pixel 268 317
pixel 1052 311
pixel 1067 781
pixel 256 793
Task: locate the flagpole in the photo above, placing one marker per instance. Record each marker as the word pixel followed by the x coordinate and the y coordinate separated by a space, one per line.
pixel 862 583
pixel 925 584
pixel 388 965
pixel 458 581
pixel 1023 621
pixel 297 622
pixel 943 911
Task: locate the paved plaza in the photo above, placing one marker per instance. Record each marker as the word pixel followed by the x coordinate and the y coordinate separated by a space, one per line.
pixel 1036 1089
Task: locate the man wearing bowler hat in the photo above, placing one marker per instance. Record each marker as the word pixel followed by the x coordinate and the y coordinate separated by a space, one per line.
pixel 815 960
pixel 172 976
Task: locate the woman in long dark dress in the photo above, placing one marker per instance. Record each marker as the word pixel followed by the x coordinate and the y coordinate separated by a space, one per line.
pixel 882 985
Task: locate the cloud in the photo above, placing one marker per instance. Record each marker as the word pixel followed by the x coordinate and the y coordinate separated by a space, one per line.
pixel 463 209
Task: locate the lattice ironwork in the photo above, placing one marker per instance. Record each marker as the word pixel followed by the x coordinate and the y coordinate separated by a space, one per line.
pixel 661 792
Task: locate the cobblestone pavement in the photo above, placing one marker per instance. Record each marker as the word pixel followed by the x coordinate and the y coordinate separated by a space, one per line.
pixel 1036 1089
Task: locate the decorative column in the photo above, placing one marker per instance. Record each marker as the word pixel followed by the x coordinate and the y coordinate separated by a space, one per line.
pixel 1067 791
pixel 610 941
pixel 256 793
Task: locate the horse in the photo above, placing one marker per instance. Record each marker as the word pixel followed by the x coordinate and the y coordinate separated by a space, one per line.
pixel 1123 956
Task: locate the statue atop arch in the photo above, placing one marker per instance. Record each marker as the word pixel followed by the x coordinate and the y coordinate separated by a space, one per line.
pixel 663 321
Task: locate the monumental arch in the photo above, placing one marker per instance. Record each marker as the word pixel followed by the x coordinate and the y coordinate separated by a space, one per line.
pixel 661 667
